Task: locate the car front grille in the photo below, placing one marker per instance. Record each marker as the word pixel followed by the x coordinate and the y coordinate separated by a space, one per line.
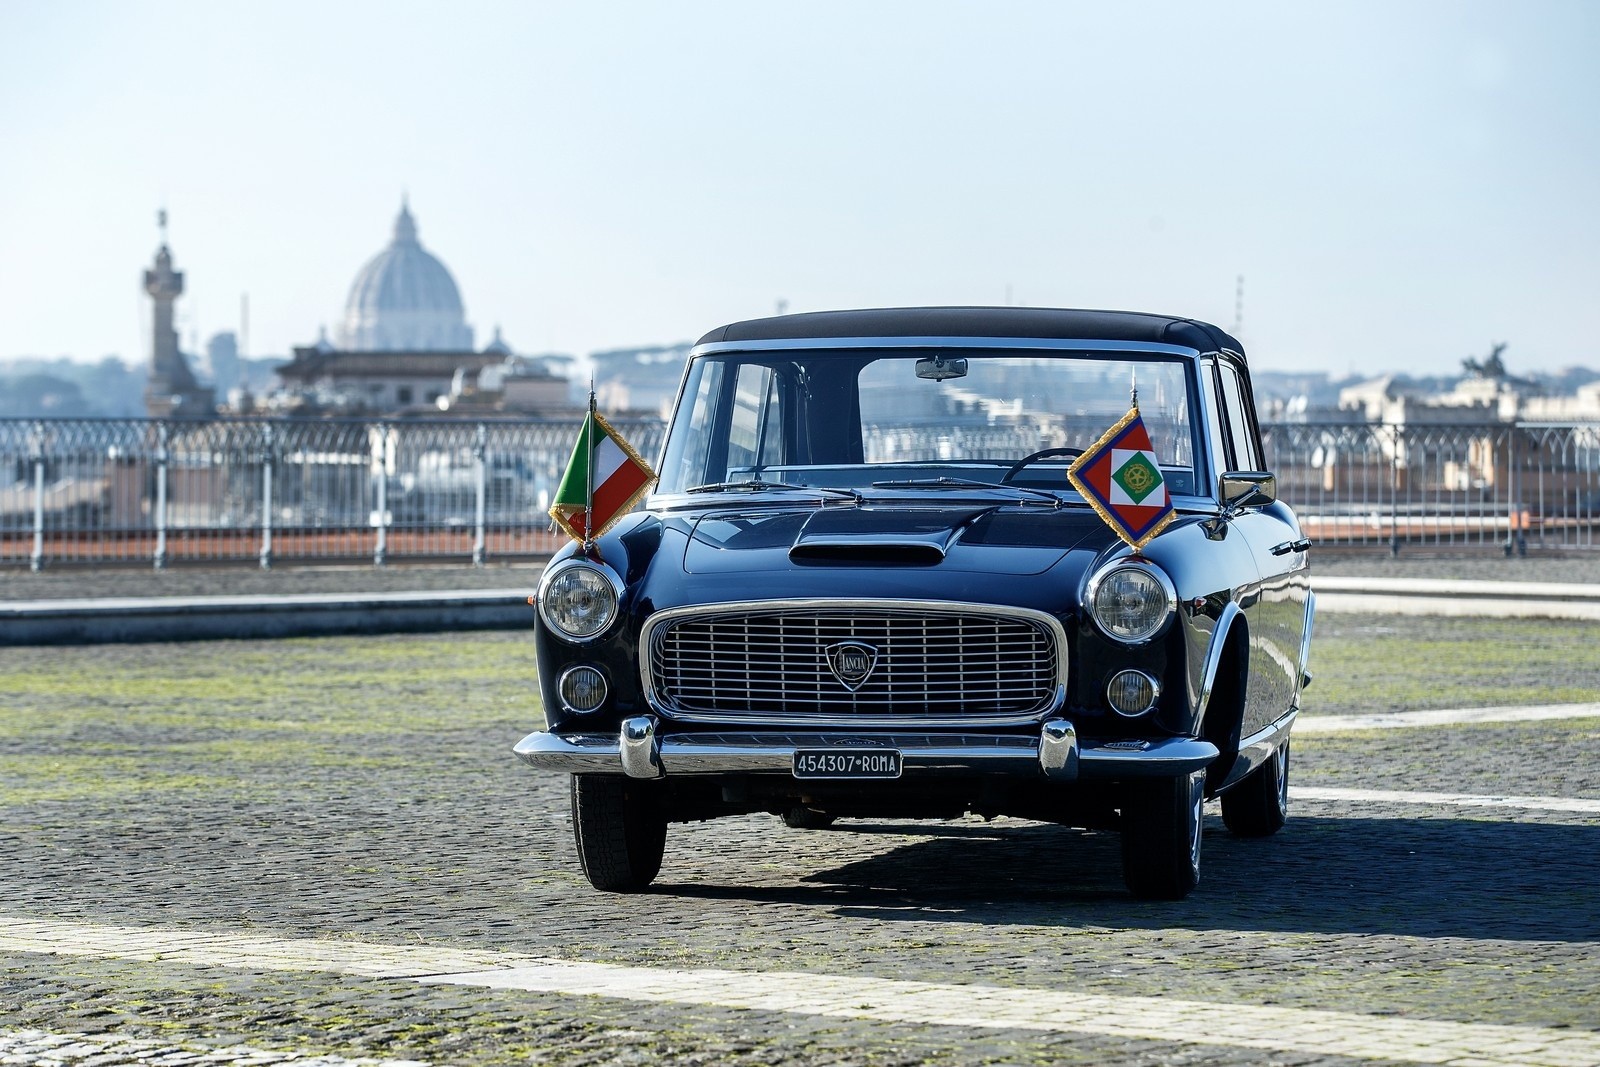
pixel 855 664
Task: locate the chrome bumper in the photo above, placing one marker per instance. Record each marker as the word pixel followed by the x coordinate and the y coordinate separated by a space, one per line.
pixel 1055 753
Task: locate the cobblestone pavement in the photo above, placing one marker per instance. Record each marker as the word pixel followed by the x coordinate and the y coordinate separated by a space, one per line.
pixel 369 796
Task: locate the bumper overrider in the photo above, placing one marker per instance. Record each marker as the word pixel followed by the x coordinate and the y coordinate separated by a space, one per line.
pixel 638 750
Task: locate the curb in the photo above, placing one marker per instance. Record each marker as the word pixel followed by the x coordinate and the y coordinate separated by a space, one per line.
pixel 116 620
pixel 1464 598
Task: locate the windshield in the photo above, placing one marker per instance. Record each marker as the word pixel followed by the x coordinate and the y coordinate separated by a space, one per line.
pixel 854 418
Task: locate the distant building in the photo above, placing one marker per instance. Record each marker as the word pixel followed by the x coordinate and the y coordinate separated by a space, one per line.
pixel 404 300
pixel 222 359
pixel 172 389
pixel 405 348
pixel 639 380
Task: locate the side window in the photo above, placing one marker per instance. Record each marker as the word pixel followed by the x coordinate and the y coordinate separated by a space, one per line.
pixel 1241 427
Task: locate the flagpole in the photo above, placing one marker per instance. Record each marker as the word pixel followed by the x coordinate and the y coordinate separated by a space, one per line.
pixel 588 500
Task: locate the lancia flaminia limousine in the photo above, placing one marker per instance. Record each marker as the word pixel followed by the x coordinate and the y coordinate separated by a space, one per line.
pixel 872 581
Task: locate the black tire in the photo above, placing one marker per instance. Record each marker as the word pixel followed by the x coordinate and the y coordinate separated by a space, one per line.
pixel 1259 805
pixel 620 829
pixel 1161 823
pixel 800 817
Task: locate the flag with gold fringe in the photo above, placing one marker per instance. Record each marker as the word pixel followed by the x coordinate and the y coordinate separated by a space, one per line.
pixel 1120 476
pixel 605 478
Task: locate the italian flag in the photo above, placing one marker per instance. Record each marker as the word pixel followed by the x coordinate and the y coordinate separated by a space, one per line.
pixel 605 465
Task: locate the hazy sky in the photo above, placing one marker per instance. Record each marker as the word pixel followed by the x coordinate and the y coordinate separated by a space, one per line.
pixel 1400 184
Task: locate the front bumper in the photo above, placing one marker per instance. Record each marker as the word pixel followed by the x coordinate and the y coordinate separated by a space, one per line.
pixel 1055 753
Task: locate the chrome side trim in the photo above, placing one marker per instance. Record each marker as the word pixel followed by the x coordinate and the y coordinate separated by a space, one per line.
pixel 1050 623
pixel 921 754
pixel 1259 747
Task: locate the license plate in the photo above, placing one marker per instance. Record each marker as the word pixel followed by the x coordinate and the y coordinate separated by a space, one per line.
pixel 847 763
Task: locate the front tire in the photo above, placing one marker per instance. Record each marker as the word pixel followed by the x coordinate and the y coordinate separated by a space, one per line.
pixel 620 830
pixel 1259 805
pixel 1161 824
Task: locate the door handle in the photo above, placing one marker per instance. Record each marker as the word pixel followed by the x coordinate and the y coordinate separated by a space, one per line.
pixel 1291 546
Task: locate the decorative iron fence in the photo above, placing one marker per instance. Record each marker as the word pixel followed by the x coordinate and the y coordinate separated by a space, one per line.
pixel 91 491
pixel 1509 486
pixel 263 491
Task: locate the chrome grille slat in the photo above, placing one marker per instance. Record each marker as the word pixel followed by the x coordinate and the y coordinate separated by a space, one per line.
pixel 939 663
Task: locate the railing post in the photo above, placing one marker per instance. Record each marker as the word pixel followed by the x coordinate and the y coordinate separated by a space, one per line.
pixel 379 436
pixel 266 498
pixel 160 559
pixel 480 452
pixel 1394 489
pixel 36 561
pixel 1515 543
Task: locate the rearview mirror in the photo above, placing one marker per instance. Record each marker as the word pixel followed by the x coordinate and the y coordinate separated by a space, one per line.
pixel 938 368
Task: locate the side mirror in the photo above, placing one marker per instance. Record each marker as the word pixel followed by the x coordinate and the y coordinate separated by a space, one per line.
pixel 1240 489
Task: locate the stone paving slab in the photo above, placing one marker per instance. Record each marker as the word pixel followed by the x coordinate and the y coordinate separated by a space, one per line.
pixel 1057 1010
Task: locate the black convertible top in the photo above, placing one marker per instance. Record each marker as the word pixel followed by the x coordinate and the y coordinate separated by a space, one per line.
pixel 983 322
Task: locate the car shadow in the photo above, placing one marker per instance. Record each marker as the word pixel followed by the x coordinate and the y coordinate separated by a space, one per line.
pixel 1401 877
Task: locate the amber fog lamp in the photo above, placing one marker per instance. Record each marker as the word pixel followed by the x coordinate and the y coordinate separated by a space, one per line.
pixel 578 598
pixel 1131 601
pixel 582 689
pixel 1132 693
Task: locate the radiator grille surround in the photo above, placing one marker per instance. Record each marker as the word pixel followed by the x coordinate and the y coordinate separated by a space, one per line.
pixel 854 663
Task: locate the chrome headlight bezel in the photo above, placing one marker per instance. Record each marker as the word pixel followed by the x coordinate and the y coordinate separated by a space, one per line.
pixel 1154 579
pixel 564 584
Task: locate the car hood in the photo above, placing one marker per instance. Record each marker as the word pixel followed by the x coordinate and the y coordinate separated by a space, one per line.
pixel 1009 540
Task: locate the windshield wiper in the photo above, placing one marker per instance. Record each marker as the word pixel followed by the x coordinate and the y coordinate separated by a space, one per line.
pixel 757 484
pixel 968 483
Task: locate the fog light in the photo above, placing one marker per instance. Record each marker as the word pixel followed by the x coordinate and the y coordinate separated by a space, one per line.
pixel 582 689
pixel 1132 693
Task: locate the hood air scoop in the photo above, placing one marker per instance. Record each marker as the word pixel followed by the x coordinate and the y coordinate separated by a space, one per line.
pixel 885 537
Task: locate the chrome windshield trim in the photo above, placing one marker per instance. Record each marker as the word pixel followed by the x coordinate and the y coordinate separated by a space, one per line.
pixel 1050 623
pixel 1043 344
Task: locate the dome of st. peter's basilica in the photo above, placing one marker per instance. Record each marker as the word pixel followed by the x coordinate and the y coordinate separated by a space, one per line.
pixel 404 299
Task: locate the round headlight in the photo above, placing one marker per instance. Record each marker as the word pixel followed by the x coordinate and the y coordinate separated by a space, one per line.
pixel 1131 602
pixel 579 599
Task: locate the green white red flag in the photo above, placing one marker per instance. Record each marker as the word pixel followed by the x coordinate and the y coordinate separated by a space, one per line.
pixel 1120 477
pixel 605 478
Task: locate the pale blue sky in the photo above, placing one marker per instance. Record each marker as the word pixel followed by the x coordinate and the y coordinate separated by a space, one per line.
pixel 1401 184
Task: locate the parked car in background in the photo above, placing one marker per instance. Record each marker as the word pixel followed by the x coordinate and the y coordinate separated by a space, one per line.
pixel 897 564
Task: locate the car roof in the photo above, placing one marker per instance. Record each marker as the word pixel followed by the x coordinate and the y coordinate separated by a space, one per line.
pixel 1054 323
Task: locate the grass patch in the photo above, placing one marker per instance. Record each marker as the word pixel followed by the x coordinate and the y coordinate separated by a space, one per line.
pixel 223 717
pixel 1395 663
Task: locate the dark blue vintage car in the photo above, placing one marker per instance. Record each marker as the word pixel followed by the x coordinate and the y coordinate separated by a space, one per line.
pixel 865 586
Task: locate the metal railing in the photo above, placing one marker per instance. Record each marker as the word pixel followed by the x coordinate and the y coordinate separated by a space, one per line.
pixel 1507 486
pixel 264 491
pixel 91 491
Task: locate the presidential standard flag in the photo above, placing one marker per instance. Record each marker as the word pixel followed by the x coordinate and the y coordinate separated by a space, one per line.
pixel 604 479
pixel 1120 477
